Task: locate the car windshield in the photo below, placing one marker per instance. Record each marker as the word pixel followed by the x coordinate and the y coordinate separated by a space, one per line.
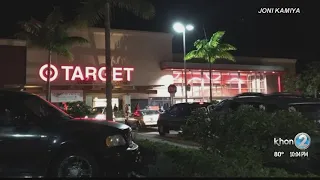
pixel 43 108
pixel 149 112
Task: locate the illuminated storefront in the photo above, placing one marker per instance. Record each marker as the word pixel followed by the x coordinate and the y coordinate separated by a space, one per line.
pixel 224 83
pixel 142 70
pixel 228 80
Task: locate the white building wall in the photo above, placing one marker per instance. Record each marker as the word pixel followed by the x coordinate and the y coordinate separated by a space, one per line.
pixel 141 50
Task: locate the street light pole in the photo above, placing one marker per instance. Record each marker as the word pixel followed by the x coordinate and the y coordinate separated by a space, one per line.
pixel 185 65
pixel 181 28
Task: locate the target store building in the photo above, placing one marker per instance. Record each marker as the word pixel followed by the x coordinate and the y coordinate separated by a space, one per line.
pixel 143 66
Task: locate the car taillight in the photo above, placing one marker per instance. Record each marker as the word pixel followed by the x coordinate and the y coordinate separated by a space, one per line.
pixel 136 114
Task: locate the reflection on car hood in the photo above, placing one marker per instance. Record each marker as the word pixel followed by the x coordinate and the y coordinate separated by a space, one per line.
pixel 86 121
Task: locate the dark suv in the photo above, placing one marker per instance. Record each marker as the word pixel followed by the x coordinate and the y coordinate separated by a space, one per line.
pixel 272 102
pixel 310 110
pixel 39 140
pixel 176 116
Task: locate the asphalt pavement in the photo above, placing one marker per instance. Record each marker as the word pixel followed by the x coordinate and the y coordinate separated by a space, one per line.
pixel 151 134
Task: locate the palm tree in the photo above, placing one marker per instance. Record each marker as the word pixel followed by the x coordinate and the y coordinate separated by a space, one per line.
pixel 95 10
pixel 211 51
pixel 50 35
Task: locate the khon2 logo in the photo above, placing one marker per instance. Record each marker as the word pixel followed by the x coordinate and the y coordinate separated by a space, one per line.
pixel 302 141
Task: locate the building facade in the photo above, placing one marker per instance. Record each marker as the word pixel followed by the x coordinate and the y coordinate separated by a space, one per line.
pixel 13 62
pixel 143 66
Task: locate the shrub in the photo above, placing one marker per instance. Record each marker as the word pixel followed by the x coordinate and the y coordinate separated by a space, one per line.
pixel 193 129
pixel 78 109
pixel 214 102
pixel 248 133
pixel 164 160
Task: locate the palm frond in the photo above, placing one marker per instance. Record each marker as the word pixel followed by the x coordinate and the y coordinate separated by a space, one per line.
pixel 55 18
pixel 73 40
pixel 65 52
pixel 191 55
pixel 226 47
pixel 91 13
pixel 141 8
pixel 196 54
pixel 212 50
pixel 200 43
pixel 216 37
pixel 211 59
pixel 52 37
pixel 32 26
pixel 224 55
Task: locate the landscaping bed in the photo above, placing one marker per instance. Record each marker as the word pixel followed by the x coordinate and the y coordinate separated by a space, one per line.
pixel 246 138
pixel 164 160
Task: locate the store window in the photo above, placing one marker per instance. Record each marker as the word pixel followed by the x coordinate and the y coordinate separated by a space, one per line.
pixel 224 83
pixel 257 82
pixel 163 102
pixel 102 102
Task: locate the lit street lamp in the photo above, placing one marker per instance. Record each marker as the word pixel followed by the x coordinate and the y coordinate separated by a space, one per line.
pixel 180 28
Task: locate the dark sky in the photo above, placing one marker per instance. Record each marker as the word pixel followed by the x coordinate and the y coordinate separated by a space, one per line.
pixel 264 35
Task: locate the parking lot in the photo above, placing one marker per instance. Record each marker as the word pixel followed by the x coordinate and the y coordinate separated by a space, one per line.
pixel 151 134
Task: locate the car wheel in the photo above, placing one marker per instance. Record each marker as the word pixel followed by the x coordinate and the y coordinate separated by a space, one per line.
pixel 162 130
pixel 75 165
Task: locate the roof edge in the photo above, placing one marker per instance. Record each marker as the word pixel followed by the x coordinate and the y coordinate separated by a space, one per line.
pixel 12 42
pixel 133 32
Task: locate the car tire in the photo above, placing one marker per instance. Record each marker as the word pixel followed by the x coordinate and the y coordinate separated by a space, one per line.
pixel 162 130
pixel 74 165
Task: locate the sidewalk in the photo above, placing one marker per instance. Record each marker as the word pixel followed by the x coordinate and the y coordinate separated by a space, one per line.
pixel 120 119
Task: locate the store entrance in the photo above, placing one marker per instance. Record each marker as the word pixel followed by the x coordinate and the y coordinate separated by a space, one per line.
pixel 102 102
pixel 190 100
pixel 162 102
pixel 99 100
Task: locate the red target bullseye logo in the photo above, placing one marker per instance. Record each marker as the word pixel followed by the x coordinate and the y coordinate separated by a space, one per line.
pixel 43 72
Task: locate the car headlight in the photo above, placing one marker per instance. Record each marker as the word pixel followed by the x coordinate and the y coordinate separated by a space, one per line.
pixel 86 117
pixel 116 140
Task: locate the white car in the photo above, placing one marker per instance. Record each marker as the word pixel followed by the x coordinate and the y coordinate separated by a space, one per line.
pixel 143 118
pixel 99 113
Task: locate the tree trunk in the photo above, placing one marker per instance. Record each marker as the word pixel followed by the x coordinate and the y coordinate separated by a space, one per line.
pixel 107 28
pixel 315 93
pixel 48 95
pixel 210 79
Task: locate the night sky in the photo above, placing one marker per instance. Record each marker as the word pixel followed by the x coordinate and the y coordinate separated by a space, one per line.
pixel 263 35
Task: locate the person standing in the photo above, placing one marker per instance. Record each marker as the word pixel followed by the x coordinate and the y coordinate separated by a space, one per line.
pixel 126 111
pixel 129 109
pixel 115 108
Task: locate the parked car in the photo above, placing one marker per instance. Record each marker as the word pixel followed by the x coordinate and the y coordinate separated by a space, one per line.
pixel 272 102
pixel 98 113
pixel 143 118
pixel 310 110
pixel 176 116
pixel 37 139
